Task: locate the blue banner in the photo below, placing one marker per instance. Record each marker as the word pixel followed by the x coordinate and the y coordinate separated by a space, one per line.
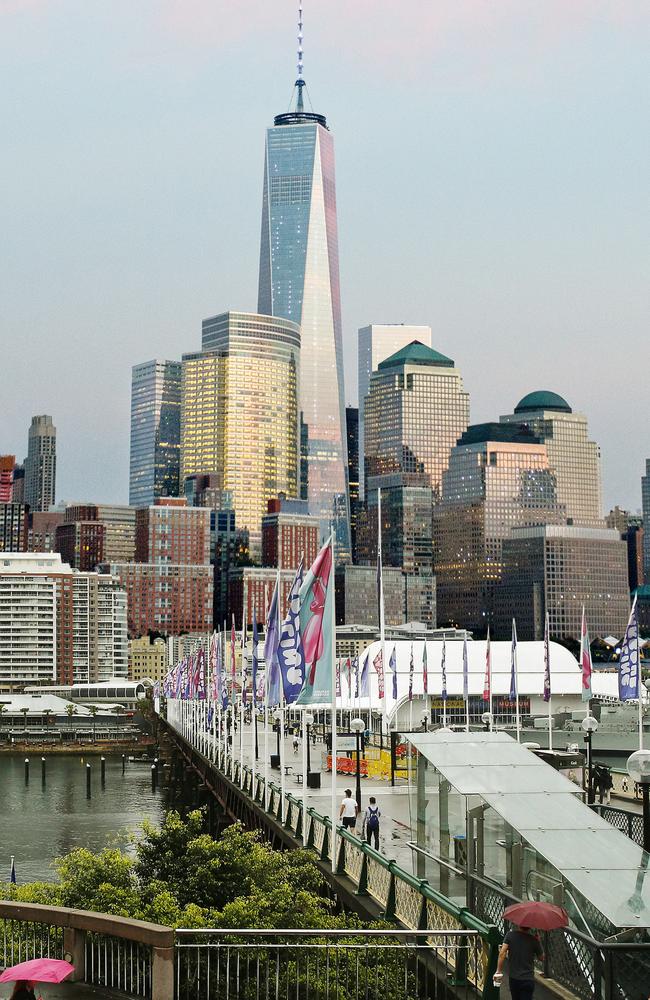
pixel 291 658
pixel 271 642
pixel 628 667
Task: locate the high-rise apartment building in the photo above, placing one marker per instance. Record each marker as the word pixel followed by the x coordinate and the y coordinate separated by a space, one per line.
pixel 645 504
pixel 155 431
pixel 147 659
pixel 57 624
pixel 40 464
pixel 13 527
pixel 574 459
pixel 415 411
pixel 170 532
pixel 299 280
pixel 7 464
pixel 377 342
pixel 558 570
pixel 96 533
pixel 240 417
pixel 499 478
pixel 81 543
pixel 289 534
pixel 42 530
pixel 18 486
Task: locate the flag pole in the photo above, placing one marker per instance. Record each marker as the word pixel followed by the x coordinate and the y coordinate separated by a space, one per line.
pixel 547 674
pixel 382 623
pixel 241 696
pixel 266 710
pixel 305 737
pixel 333 709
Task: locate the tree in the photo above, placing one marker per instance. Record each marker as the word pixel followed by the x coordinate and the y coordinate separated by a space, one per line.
pixel 24 711
pixel 70 710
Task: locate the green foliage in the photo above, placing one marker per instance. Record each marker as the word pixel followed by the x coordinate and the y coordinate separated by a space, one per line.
pixel 182 877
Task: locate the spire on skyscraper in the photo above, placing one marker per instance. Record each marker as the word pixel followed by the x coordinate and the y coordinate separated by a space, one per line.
pixel 300 83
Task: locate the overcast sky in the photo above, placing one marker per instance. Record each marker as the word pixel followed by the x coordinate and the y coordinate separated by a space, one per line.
pixel 492 169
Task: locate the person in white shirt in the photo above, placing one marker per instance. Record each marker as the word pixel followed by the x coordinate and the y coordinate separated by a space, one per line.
pixel 348 811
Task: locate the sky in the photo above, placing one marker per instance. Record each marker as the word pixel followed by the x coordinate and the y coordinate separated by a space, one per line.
pixel 492 182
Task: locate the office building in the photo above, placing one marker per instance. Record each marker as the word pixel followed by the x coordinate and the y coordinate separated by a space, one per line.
pixel 250 588
pixel 13 527
pixel 7 464
pixel 165 597
pixel 299 280
pixel 40 464
pixel 645 504
pixel 81 543
pixel 499 478
pixel 240 417
pixel 96 533
pixel 147 659
pixel 229 547
pixel 415 411
pixel 42 530
pixel 155 432
pixel 352 430
pixel 57 624
pixel 289 534
pixel 18 487
pixel 558 570
pixel 377 342
pixel 573 458
pixel 407 522
pixel 630 528
pixel 169 532
pixel 356 596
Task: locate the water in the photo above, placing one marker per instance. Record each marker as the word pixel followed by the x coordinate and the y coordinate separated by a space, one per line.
pixel 39 823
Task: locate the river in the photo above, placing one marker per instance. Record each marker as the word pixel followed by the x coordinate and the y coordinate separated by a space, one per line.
pixel 41 822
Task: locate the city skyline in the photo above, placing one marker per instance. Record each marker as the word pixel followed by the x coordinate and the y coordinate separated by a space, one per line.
pixel 536 246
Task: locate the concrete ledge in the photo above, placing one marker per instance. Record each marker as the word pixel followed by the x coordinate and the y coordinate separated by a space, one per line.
pixel 85 920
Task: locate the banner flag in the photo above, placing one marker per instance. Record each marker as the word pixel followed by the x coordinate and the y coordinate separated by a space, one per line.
pixel 199 675
pixel 271 643
pixel 355 667
pixel 233 656
pixel 465 673
pixel 392 665
pixel 317 628
pixel 378 664
pixel 628 666
pixel 338 678
pixel 425 669
pixel 365 677
pixel 547 661
pixel 443 670
pixel 487 683
pixel 585 658
pixel 291 658
pixel 411 673
pixel 513 663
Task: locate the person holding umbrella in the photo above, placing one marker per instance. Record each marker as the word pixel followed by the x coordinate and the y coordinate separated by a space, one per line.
pixel 23 990
pixel 521 946
pixel 35 970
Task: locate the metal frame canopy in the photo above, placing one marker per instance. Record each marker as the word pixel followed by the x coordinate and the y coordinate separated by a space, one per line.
pixel 599 862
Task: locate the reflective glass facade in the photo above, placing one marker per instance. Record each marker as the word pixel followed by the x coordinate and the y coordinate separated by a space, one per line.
pixel 415 412
pixel 575 460
pixel 155 432
pixel 492 485
pixel 299 280
pixel 40 464
pixel 240 412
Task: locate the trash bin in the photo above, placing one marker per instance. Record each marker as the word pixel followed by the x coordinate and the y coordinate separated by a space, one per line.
pixel 275 761
pixel 460 850
pixel 313 779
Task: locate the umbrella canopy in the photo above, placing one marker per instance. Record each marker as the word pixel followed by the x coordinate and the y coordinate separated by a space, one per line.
pixel 538 916
pixel 38 970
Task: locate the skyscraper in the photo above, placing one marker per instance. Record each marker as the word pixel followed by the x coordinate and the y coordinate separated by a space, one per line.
pixel 352 432
pixel 645 504
pixel 155 432
pixel 240 412
pixel 376 343
pixel 40 464
pixel 574 459
pixel 7 463
pixel 416 409
pixel 299 280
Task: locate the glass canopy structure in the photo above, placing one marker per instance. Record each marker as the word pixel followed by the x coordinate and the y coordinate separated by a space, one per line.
pixel 528 831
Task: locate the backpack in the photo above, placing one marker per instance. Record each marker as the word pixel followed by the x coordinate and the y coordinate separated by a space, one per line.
pixel 372 822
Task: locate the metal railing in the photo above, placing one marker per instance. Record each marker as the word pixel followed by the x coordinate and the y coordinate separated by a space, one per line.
pixel 324 964
pixel 22 940
pixel 629 823
pixel 402 897
pixel 117 964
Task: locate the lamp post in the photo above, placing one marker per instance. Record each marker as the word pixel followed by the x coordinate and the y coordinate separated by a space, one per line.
pixel 638 768
pixel 277 715
pixel 309 722
pixel 589 725
pixel 257 746
pixel 357 726
pixel 425 719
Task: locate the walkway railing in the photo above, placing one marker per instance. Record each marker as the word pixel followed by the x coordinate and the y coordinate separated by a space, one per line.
pixel 131 956
pixel 631 824
pixel 319 965
pixel 401 896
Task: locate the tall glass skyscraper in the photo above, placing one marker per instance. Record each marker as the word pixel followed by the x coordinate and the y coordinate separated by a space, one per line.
pixel 299 280
pixel 40 464
pixel 155 432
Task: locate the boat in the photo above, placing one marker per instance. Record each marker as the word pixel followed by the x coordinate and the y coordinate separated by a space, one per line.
pixel 617 733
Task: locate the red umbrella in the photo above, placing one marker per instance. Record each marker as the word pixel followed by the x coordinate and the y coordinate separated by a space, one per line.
pixel 539 916
pixel 38 970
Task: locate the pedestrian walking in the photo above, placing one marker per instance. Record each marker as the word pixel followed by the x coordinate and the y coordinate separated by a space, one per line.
pixel 348 811
pixel 23 990
pixel 521 947
pixel 296 744
pixel 371 822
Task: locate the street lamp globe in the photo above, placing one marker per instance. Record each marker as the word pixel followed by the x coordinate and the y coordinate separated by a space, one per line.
pixel 589 724
pixel 357 725
pixel 309 719
pixel 486 718
pixel 638 767
pixel 277 715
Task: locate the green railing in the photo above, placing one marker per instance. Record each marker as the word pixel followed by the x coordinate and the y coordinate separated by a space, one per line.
pixel 403 897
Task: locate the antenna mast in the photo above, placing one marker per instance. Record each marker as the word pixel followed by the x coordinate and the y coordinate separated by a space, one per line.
pixel 300 83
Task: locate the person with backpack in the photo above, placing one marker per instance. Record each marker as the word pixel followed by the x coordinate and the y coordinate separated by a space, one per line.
pixel 371 821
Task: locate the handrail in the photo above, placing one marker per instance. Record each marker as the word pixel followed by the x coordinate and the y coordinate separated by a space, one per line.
pixel 87 920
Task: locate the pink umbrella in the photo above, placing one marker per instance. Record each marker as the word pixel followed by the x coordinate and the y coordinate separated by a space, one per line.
pixel 38 970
